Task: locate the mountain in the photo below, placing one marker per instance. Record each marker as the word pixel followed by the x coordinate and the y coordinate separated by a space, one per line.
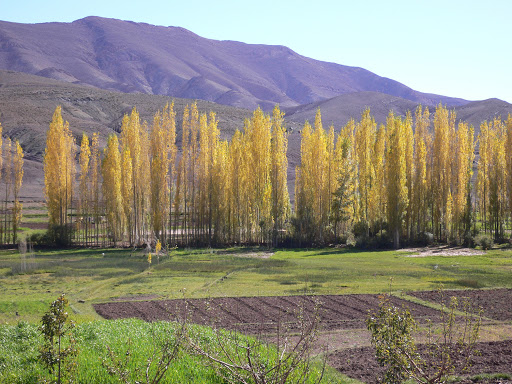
pixel 338 110
pixel 136 57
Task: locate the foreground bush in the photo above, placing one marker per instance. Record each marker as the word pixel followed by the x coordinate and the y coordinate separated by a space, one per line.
pixel 448 350
pixel 484 240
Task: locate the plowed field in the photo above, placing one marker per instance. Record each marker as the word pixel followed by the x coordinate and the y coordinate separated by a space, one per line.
pixel 496 303
pixel 260 314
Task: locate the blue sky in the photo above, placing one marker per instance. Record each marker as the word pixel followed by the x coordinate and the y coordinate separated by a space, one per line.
pixel 451 47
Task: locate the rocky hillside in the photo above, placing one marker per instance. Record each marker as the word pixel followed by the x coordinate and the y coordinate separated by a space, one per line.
pixel 136 57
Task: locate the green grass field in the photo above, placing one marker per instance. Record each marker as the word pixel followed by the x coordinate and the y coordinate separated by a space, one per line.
pixel 130 339
pixel 30 282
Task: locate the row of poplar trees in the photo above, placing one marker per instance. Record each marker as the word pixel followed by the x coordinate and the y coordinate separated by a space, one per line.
pixel 402 177
pixel 408 177
pixel 141 189
pixel 11 172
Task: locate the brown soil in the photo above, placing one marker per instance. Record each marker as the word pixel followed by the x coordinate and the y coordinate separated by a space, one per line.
pixel 494 302
pixel 360 363
pixel 260 314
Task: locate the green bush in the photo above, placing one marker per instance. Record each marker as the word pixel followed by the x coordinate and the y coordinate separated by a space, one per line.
pixel 360 229
pixel 392 334
pixel 484 240
pixel 425 238
pixel 56 236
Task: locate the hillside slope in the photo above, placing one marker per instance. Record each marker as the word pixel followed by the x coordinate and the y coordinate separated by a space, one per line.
pixel 137 57
pixel 338 110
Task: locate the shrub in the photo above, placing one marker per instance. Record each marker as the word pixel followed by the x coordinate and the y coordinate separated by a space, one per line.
pixel 55 236
pixel 425 238
pixel 165 352
pixel 348 239
pixel 484 240
pixel 59 347
pixel 360 229
pixel 447 351
pixel 239 359
pixel 382 239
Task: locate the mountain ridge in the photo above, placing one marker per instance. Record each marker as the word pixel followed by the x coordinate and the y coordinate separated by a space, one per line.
pixel 133 57
pixel 338 110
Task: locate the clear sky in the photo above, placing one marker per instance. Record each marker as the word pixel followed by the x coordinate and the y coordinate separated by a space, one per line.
pixel 459 48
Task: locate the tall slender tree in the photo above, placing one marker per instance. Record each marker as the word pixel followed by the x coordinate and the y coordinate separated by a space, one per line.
pixel 17 167
pixel 59 169
pixel 111 172
pixel 83 191
pixel 279 170
pixel 396 175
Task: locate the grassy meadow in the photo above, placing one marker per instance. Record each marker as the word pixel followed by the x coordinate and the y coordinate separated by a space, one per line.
pixel 132 341
pixel 31 281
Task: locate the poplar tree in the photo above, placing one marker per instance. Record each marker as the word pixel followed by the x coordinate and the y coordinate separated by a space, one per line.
pixel 17 167
pixel 205 169
pixel 237 181
pixel 128 194
pixel 258 137
pixel 311 184
pixel 2 229
pixel 95 187
pixel 483 172
pixel 497 176
pixel 169 127
pixel 378 194
pixel 508 160
pixel 182 188
pixel 444 127
pixel 8 187
pixel 396 175
pixel 409 164
pixel 83 193
pixel 304 197
pixel 159 177
pixel 111 172
pixel 59 167
pixel 464 154
pixel 135 137
pixel 419 201
pixel 344 200
pixel 279 169
pixel 365 139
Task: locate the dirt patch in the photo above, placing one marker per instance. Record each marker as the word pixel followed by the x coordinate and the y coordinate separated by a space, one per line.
pixel 494 302
pixel 261 314
pixel 443 250
pixel 360 363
